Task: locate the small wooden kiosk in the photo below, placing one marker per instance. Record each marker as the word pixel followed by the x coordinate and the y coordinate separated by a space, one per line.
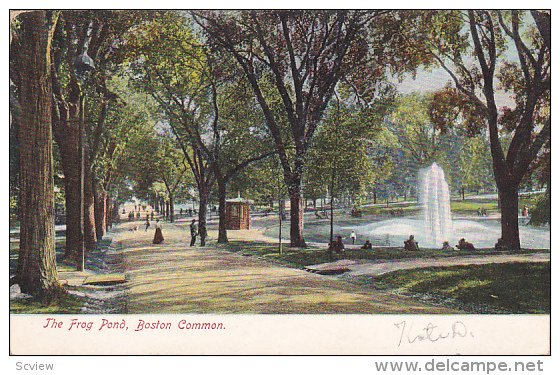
pixel 238 213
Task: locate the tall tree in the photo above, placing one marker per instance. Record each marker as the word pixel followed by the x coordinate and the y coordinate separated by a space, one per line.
pixel 209 109
pixel 302 55
pixel 341 159
pixel 71 39
pixel 83 40
pixel 36 271
pixel 448 37
pixel 171 170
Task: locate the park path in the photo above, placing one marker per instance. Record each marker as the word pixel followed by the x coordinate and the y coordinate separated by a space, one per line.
pixel 379 267
pixel 174 278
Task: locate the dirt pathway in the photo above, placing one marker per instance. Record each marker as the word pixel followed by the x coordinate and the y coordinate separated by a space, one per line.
pixel 174 278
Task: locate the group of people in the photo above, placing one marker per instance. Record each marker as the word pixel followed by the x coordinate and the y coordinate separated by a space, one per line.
pixel 188 211
pixel 132 215
pixel 412 245
pixel 158 236
pixel 338 246
pixel 481 212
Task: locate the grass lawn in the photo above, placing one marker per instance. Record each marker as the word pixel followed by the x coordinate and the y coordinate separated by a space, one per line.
pixel 470 207
pixel 299 258
pixel 467 207
pixel 522 288
pixel 408 209
pixel 66 305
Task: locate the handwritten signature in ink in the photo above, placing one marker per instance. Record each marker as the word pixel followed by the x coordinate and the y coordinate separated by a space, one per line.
pixel 431 332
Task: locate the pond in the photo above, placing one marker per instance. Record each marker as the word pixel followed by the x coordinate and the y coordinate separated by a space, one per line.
pixel 483 232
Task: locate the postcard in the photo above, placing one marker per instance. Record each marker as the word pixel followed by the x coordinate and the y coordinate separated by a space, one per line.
pixel 280 182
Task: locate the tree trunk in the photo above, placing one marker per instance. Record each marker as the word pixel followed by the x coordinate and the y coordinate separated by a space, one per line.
pixel 509 203
pixel 111 212
pixel 296 217
pixel 202 211
pixel 90 237
pixel 463 193
pixel 100 212
pixel 222 231
pixel 171 207
pixel 68 143
pixel 36 271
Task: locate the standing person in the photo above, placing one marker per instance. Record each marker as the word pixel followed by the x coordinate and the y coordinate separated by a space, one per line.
pixel 353 237
pixel 152 215
pixel 147 223
pixel 194 231
pixel 158 237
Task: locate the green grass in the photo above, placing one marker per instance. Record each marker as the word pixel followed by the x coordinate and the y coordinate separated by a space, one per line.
pixel 521 288
pixel 470 207
pixel 460 207
pixel 67 304
pixel 408 209
pixel 299 258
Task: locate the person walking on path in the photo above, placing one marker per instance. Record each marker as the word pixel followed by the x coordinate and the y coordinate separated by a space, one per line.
pixel 158 237
pixel 194 231
pixel 353 237
pixel 147 223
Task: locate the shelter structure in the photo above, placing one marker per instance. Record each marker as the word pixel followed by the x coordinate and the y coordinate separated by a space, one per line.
pixel 238 213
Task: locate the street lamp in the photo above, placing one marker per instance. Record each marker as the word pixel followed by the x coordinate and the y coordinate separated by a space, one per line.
pixel 83 64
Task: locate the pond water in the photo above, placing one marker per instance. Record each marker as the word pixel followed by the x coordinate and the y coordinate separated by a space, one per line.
pixel 482 232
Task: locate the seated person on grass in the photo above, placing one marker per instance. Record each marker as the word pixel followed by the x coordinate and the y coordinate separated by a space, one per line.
pixel 464 245
pixel 447 246
pixel 337 246
pixel 411 244
pixel 367 246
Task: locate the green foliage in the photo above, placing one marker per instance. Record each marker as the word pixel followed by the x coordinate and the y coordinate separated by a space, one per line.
pixel 540 214
pixel 262 182
pixel 340 158
pixel 475 164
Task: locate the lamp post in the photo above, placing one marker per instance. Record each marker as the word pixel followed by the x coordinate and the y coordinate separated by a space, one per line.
pixel 83 64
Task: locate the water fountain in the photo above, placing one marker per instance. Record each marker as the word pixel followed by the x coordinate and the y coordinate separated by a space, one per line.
pixel 434 224
pixel 435 202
